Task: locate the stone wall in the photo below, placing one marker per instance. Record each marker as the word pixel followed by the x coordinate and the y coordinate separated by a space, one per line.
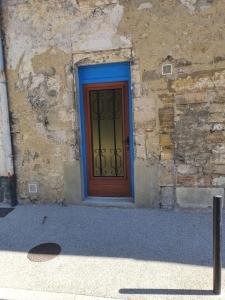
pixel 178 118
pixel 192 137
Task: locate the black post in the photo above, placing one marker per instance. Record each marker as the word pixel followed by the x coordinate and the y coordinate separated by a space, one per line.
pixel 217 243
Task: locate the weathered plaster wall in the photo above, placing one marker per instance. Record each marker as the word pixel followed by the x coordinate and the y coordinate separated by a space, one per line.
pixel 174 133
pixel 178 119
pixel 41 38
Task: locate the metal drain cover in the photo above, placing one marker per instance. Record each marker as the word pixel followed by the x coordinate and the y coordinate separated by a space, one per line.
pixel 44 252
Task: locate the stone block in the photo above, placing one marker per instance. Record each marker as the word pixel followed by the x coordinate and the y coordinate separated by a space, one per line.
pixel 147 186
pixel 186 169
pixel 165 140
pixel 167 173
pixel 137 90
pixel 187 180
pixel 180 109
pixel 167 154
pixel 166 118
pixel 219 181
pixel 146 108
pixel 216 108
pixel 136 78
pixel 151 144
pixel 218 169
pixel 189 98
pixel 204 180
pixel 156 85
pixel 218 155
pixel 150 75
pixel 188 197
pixel 167 198
pixel 199 82
pixel 215 137
pixel 167 100
pixel 140 147
pixel 217 117
pixel 72 183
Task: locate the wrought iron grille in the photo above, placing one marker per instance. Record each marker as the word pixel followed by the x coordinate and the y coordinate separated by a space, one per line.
pixel 106 107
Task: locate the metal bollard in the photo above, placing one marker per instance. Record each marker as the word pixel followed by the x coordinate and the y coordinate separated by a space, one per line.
pixel 217 243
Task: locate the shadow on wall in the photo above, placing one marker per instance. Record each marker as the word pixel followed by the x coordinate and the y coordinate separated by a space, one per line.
pixel 151 235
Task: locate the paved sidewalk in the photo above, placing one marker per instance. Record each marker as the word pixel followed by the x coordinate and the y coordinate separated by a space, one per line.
pixel 108 252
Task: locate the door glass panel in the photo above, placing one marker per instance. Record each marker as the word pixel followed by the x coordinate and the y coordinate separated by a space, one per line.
pixel 107 132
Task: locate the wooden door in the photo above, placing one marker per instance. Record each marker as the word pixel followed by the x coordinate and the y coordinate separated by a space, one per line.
pixel 107 136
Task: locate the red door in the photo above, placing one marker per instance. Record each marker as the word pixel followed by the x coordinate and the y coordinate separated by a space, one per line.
pixel 106 107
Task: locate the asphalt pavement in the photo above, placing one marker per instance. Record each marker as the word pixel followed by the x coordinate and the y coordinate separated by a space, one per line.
pixel 107 252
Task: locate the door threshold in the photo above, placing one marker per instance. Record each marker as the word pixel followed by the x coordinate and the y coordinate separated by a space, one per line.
pixel 120 202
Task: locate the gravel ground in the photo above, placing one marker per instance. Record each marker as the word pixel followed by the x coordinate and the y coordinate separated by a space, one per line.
pixel 110 252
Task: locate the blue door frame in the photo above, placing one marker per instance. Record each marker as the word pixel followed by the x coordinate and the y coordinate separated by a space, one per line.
pixel 99 74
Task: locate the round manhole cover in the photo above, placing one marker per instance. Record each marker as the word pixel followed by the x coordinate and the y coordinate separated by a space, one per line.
pixel 44 252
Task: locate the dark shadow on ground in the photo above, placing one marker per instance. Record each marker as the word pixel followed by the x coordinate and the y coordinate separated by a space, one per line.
pixel 4 211
pixel 151 235
pixel 174 292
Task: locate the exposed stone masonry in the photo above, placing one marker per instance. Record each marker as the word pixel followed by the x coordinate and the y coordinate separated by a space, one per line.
pixel 178 119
